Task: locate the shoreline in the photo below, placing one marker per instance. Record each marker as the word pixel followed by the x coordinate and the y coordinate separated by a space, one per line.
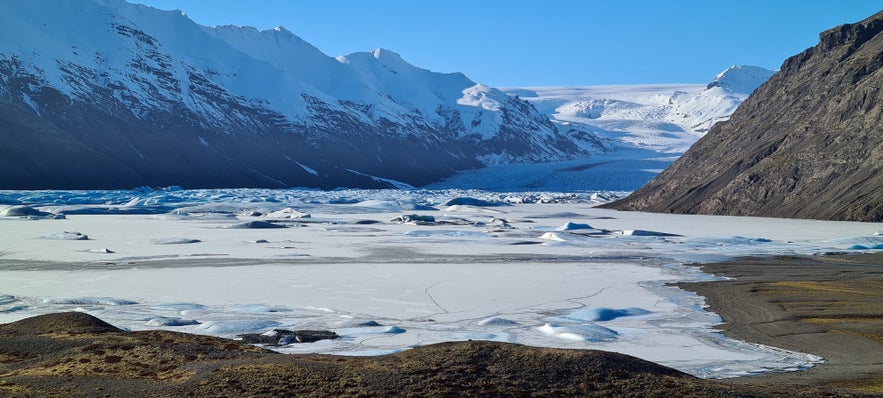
pixel 830 306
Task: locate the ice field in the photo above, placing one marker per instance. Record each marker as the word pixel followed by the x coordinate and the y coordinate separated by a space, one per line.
pixel 389 270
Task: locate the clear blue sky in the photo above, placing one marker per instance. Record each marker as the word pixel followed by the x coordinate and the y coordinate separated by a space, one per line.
pixel 508 43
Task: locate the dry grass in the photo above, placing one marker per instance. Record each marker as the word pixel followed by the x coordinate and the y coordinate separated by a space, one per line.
pixel 45 360
pixel 870 288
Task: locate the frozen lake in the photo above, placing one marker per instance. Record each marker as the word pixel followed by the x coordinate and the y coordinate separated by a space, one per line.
pixel 389 270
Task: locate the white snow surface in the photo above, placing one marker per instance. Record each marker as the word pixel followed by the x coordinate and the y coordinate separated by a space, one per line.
pixel 520 267
pixel 665 118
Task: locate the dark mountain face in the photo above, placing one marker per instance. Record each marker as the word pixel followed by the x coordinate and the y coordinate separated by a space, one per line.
pixel 136 96
pixel 807 144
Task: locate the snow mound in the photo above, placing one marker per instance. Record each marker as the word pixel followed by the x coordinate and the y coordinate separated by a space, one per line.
pixel 88 301
pixel 235 327
pixel 570 226
pixel 872 242
pixel 23 211
pixel 553 237
pixel 588 333
pixel 170 321
pixel 392 205
pixel 604 314
pixel 353 323
pixel 467 201
pixel 414 219
pixel 370 330
pixel 66 235
pixel 288 213
pixel 497 321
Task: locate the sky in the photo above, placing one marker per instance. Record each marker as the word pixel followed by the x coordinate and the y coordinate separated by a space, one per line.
pixel 521 43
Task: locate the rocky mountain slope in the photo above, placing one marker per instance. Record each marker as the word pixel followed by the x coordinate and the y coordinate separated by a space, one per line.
pixel 807 144
pixel 105 94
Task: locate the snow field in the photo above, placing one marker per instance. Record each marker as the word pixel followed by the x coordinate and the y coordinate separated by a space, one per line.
pixel 390 270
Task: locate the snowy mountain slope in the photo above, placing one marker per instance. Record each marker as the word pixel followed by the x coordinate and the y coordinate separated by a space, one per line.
pixel 665 118
pixel 137 96
pixel 642 128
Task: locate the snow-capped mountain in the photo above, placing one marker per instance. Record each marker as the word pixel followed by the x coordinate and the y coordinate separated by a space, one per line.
pixel 104 93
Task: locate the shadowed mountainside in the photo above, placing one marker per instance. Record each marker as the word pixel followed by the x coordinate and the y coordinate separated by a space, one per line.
pixel 807 144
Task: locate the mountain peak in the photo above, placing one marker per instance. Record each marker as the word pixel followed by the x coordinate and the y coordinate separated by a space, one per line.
pixel 741 79
pixel 382 53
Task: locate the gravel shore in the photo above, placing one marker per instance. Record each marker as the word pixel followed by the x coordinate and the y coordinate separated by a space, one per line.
pixel 831 306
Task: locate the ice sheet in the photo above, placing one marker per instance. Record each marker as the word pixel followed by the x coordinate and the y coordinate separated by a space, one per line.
pixel 390 270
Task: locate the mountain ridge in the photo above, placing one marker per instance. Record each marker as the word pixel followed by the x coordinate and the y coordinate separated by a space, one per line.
pixel 806 144
pixel 101 94
pixel 239 107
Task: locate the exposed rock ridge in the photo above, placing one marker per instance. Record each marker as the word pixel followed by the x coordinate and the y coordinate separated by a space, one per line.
pixel 806 144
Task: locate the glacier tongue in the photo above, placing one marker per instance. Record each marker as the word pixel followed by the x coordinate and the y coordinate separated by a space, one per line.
pixel 665 118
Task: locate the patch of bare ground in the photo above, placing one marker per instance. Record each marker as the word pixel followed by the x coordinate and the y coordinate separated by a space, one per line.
pixel 76 355
pixel 831 306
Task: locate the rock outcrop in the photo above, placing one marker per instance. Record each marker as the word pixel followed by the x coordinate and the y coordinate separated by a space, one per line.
pixel 806 144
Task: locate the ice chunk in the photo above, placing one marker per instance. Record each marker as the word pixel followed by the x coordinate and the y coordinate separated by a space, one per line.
pixel 23 211
pixel 573 226
pixel 370 330
pixel 352 323
pixel 89 301
pixel 604 314
pixel 66 235
pixel 234 327
pixel 170 321
pixel 553 237
pixel 414 219
pixel 287 213
pixel 589 333
pixel 174 241
pixel 496 321
pixel 254 225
